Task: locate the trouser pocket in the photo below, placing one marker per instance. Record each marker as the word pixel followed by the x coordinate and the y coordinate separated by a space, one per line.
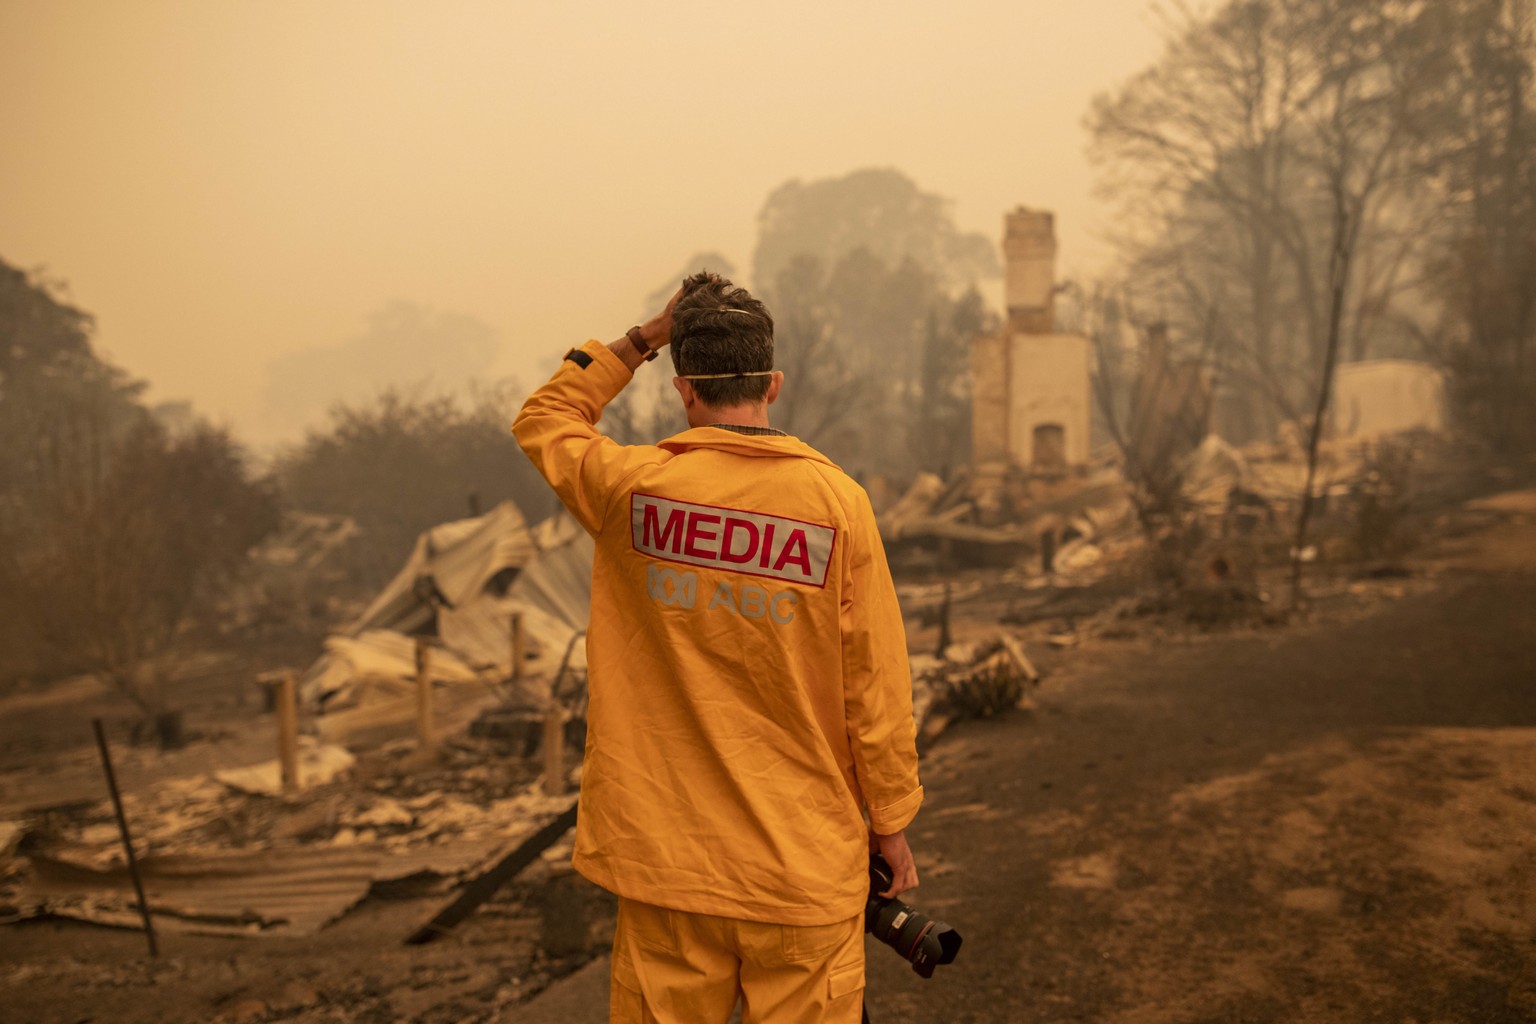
pixel 845 980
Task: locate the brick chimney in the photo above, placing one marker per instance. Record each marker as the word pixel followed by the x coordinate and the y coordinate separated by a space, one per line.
pixel 1029 251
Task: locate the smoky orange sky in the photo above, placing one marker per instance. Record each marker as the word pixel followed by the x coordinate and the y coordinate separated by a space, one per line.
pixel 227 183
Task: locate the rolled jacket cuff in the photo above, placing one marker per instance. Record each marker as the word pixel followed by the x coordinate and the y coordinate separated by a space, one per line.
pixel 611 368
pixel 888 819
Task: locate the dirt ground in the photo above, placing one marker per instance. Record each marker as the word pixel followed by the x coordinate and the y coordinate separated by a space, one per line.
pixel 1330 820
pixel 1335 821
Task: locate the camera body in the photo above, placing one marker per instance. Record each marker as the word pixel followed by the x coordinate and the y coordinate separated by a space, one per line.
pixel 918 938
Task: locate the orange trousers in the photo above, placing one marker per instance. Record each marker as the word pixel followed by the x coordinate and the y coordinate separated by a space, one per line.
pixel 672 967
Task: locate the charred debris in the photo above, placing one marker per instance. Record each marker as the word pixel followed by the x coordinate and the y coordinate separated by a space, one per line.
pixel 429 749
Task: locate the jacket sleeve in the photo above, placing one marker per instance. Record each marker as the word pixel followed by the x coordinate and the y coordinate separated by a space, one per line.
pixel 877 682
pixel 557 429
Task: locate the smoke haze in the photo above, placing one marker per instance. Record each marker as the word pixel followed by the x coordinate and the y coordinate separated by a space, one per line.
pixel 229 186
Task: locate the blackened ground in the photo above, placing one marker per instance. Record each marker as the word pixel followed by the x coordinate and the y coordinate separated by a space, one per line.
pixel 1330 822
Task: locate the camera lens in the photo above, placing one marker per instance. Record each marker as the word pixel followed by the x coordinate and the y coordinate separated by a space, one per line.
pixel 918 938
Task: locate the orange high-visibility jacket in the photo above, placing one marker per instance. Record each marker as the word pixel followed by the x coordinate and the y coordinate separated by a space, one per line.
pixel 747 666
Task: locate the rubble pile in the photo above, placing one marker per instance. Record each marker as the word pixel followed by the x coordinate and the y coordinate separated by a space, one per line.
pixel 387 791
pixel 222 856
pixel 1231 511
pixel 482 628
pixel 969 681
pixel 978 520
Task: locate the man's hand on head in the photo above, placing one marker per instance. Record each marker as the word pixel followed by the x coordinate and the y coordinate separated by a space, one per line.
pixel 655 332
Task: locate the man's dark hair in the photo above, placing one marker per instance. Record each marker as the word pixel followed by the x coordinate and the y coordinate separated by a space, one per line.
pixel 720 328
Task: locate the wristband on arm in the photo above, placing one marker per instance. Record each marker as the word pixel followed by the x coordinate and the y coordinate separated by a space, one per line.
pixel 633 334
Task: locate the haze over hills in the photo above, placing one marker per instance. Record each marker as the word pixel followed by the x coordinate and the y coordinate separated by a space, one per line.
pixel 235 189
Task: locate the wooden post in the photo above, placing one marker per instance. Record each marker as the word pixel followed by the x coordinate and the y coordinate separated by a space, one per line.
pixel 944 636
pixel 122 830
pixel 424 695
pixel 518 650
pixel 554 749
pixel 288 732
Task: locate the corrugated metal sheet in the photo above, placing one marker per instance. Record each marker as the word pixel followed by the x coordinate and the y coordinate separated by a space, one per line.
pixel 295 891
pixel 284 891
pixel 459 557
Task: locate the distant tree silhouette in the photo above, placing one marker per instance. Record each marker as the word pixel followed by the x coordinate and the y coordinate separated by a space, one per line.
pixel 117 575
pixel 880 210
pixel 405 462
pixel 1271 156
pixel 112 531
pixel 867 277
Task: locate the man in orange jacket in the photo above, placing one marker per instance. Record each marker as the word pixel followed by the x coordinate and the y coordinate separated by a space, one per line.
pixel 750 702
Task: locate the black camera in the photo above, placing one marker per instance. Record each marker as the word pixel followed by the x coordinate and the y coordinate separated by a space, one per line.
pixel 916 936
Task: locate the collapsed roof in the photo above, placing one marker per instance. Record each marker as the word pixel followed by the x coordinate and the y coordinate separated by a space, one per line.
pixel 462 584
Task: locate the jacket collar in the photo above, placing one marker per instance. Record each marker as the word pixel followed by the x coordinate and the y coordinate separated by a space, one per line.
pixel 716 439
